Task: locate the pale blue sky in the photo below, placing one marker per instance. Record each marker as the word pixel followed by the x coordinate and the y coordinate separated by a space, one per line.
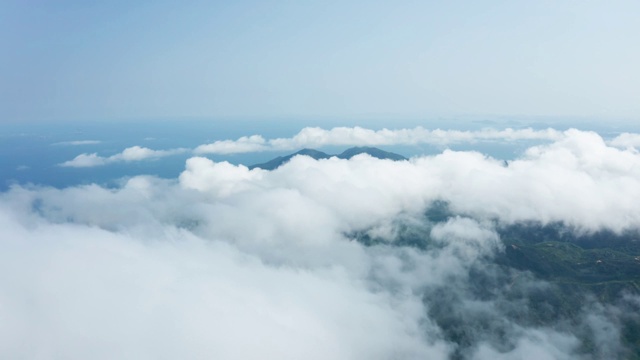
pixel 79 60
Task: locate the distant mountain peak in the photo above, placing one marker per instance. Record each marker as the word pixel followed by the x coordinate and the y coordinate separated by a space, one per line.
pixel 311 152
pixel 371 151
pixel 316 154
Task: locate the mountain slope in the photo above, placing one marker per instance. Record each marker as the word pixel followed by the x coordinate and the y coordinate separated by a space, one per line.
pixel 347 154
pixel 374 152
pixel 280 160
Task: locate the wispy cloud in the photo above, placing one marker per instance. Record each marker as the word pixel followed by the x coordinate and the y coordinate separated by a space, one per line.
pixel 134 153
pixel 78 142
pixel 358 136
pixel 244 144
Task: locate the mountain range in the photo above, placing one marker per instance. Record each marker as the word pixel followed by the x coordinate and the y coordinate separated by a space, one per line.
pixel 347 154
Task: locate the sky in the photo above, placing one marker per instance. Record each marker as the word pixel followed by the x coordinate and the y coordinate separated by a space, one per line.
pixel 76 60
pixel 155 240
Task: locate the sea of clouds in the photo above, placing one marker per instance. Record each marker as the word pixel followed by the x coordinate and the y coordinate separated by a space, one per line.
pixel 230 263
pixel 310 137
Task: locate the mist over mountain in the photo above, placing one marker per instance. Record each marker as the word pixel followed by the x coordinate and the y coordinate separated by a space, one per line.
pixel 456 255
pixel 319 180
pixel 281 160
pixel 315 154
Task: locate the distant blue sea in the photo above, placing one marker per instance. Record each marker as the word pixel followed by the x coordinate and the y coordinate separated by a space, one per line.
pixel 30 153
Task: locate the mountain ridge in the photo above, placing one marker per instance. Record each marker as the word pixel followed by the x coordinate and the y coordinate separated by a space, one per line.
pixel 318 155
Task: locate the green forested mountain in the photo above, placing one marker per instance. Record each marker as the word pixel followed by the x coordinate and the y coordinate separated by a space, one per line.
pixel 546 277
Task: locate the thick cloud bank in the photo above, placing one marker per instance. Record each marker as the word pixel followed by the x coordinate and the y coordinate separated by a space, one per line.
pixel 578 180
pixel 315 137
pixel 358 136
pixel 229 263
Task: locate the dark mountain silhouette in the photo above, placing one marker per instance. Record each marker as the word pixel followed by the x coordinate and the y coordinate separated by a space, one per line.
pixel 280 160
pixel 374 152
pixel 347 154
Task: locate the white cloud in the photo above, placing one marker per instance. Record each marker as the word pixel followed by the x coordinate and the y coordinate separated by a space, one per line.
pixel 86 160
pixel 419 135
pixel 227 262
pixel 155 290
pixel 137 153
pixel 242 145
pixel 134 153
pixel 626 140
pixel 78 142
pixel 203 174
pixel 318 137
pixel 578 179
